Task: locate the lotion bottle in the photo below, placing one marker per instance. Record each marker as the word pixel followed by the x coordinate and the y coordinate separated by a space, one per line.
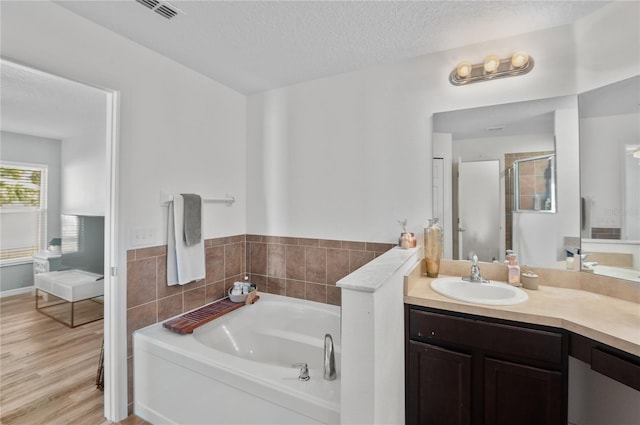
pixel 513 270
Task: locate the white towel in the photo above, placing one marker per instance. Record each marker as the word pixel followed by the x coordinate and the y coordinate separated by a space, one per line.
pixel 184 263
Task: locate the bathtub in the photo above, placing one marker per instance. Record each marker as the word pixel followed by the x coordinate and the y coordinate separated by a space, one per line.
pixel 237 368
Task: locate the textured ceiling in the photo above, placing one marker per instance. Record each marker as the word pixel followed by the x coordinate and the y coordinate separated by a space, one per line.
pixel 252 46
pixel 43 105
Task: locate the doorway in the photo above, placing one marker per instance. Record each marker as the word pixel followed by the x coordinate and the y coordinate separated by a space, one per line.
pixel 30 107
pixel 478 229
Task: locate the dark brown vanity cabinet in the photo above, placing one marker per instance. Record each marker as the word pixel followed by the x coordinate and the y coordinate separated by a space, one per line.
pixel 463 369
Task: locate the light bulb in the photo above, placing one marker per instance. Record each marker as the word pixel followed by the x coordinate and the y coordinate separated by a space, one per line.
pixel 636 154
pixel 464 69
pixel 491 63
pixel 519 59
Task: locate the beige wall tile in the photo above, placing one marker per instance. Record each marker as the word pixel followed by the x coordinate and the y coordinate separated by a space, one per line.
pixel 258 258
pixel 334 295
pixel 337 265
pixel 139 317
pixel 169 307
pixel 316 292
pixel 233 259
pixel 141 281
pixel 276 286
pixel 358 259
pixel 214 258
pixel 316 265
pixel 193 298
pixel 296 289
pixel 276 260
pixel 214 291
pixel 294 262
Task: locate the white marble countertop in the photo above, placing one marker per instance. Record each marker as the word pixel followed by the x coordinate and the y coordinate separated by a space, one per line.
pixel 375 273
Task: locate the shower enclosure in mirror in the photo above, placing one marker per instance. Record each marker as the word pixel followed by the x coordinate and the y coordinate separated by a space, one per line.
pixel 534 145
pixel 534 187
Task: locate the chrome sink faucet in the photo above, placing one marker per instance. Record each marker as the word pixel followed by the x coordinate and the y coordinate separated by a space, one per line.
pixel 475 272
pixel 329 359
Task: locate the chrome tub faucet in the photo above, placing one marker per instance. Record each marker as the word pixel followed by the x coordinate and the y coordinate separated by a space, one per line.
pixel 329 359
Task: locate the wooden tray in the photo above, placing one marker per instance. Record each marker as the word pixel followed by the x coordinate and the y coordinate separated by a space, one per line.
pixel 186 323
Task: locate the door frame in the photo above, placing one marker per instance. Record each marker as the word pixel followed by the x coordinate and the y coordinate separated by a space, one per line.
pixel 115 318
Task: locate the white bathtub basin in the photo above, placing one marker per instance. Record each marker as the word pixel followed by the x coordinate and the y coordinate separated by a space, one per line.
pixel 492 293
pixel 618 272
pixel 237 368
pixel 264 334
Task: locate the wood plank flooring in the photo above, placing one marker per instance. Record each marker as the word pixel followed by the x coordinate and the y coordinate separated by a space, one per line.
pixel 48 370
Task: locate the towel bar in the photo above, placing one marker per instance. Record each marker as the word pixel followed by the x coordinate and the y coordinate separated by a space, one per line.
pixel 166 199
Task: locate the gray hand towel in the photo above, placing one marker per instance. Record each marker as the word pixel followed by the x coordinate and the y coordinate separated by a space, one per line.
pixel 192 218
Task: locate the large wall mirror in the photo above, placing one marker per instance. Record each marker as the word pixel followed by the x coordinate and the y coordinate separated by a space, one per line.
pixel 513 180
pixel 610 179
pixel 584 195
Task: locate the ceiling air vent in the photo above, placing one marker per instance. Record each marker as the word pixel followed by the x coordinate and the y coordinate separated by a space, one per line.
pixel 161 7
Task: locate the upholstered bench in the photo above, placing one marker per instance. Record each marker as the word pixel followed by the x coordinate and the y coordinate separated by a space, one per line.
pixel 71 286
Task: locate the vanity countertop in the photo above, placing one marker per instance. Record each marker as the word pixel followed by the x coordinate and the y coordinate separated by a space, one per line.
pixel 602 318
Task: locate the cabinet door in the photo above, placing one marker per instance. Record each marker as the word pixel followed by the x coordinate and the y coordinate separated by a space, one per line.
pixel 438 386
pixel 517 394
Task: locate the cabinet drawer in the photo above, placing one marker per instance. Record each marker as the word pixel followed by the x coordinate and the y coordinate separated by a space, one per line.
pixel 615 367
pixel 512 340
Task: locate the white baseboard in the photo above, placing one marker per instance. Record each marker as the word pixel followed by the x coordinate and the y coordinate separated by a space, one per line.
pixel 17 291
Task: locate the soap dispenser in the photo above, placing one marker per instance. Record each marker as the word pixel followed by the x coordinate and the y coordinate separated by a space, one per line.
pixel 513 270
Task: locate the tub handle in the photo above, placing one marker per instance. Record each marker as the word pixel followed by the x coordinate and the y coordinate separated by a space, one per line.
pixel 304 371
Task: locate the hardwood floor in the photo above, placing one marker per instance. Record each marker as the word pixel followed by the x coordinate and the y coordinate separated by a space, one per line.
pixel 48 370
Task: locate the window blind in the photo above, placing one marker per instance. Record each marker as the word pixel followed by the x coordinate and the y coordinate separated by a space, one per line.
pixel 23 210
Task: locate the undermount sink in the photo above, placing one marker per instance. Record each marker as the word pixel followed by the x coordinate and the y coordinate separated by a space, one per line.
pixel 492 293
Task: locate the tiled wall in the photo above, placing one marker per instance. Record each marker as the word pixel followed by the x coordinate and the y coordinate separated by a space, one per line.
pixel 295 267
pixel 306 268
pixel 605 232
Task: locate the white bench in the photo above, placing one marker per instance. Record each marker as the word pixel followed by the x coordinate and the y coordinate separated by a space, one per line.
pixel 72 286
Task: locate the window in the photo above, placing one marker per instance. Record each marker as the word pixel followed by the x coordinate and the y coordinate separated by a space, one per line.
pixel 23 211
pixel 71 230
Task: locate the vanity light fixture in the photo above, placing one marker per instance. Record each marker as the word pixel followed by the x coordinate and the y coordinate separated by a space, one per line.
pixel 636 153
pixel 493 67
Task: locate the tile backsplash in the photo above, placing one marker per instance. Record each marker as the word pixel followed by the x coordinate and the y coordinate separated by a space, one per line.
pixel 295 267
pixel 306 268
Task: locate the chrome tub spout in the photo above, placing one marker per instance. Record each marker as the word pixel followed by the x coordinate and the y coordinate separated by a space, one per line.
pixel 329 359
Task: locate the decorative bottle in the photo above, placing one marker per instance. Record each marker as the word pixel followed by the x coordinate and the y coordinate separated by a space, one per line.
pixel 432 247
pixel 513 270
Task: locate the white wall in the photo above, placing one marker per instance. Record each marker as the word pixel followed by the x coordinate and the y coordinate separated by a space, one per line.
pixel 603 140
pixel 607 45
pixel 347 156
pixel 179 131
pixel 567 177
pixel 84 171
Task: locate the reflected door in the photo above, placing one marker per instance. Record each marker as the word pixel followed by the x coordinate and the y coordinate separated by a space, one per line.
pixel 479 209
